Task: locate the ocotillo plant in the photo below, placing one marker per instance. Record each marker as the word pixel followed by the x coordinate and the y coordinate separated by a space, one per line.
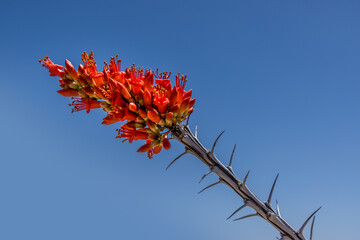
pixel 152 109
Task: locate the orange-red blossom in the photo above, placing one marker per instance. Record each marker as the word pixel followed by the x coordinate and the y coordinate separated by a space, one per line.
pixel 146 100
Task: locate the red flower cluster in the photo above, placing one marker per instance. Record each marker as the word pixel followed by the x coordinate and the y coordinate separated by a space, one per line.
pixel 146 100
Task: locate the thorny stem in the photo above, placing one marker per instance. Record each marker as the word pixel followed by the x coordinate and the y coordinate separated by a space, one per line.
pixel 227 176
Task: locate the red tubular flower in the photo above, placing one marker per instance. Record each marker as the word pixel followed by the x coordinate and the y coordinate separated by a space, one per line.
pixel 115 69
pixel 153 126
pixel 89 63
pixel 149 80
pixel 129 126
pixel 110 119
pixel 98 79
pixel 147 101
pixel 54 69
pixel 160 100
pixel 188 94
pixel 125 93
pixel 143 114
pixel 65 83
pixel 136 79
pixel 114 116
pixel 147 98
pixel 146 147
pixel 169 117
pixel 132 134
pixel 85 104
pixel 100 92
pixel 175 109
pixel 173 96
pixel 184 104
pixel 162 82
pixel 130 116
pixel 89 91
pixel 71 70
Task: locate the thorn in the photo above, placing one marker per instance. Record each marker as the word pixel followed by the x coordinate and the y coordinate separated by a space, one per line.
pixel 212 150
pixel 209 186
pixel 272 189
pixel 196 131
pixel 247 216
pixel 205 175
pixel 177 159
pixel 187 121
pixel 246 177
pixel 277 208
pixel 307 220
pixel 232 155
pixel 237 211
pixel 312 228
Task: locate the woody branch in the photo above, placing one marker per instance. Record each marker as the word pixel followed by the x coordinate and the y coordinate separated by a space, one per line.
pixel 183 134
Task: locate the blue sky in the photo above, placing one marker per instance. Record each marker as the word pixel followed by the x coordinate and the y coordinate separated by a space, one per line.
pixel 281 77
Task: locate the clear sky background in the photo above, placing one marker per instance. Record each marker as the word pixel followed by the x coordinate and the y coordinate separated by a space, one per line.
pixel 281 77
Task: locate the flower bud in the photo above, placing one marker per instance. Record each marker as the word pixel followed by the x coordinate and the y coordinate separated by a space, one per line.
pixel 69 92
pixel 166 143
pixel 133 107
pixel 153 116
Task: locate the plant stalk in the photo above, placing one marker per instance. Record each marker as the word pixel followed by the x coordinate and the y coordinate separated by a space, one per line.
pixel 226 176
